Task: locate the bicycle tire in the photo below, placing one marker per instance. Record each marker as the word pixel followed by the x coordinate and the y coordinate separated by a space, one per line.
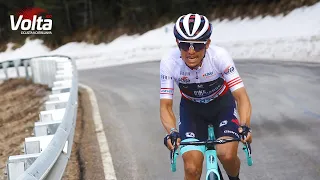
pixel 212 176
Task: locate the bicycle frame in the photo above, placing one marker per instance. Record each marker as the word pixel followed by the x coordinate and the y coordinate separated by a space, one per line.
pixel 211 154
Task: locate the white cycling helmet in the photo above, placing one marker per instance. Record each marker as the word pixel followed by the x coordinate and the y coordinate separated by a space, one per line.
pixel 192 27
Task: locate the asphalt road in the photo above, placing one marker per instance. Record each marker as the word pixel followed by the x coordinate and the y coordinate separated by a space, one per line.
pixel 285 120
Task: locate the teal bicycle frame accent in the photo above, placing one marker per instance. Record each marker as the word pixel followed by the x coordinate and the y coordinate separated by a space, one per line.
pixel 211 157
pixel 211 154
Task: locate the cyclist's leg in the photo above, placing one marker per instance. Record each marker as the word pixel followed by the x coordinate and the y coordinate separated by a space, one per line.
pixel 193 162
pixel 188 128
pixel 227 127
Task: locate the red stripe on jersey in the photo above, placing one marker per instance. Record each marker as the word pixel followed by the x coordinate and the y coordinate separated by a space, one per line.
pixel 184 96
pixel 233 80
pixel 225 89
pixel 235 83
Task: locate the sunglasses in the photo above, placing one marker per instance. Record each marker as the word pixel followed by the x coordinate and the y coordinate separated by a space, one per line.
pixel 196 45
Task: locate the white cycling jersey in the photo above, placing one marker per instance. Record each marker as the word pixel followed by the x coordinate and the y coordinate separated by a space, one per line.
pixel 212 79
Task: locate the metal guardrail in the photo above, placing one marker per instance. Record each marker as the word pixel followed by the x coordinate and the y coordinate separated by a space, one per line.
pixel 16 64
pixel 46 154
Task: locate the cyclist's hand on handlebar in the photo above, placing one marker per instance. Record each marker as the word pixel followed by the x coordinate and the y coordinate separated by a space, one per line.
pixel 246 135
pixel 172 140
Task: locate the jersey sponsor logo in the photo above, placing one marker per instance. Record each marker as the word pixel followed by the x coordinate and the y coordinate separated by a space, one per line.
pixel 235 113
pixel 190 134
pixel 200 93
pixel 202 100
pixel 166 91
pixel 216 88
pixel 203 93
pixel 209 74
pixel 207 92
pixel 185 73
pixel 223 123
pixel 164 77
pixel 229 70
pixel 200 86
pixel 184 79
pixel 231 132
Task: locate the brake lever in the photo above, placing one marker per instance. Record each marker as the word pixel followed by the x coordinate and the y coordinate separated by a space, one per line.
pixel 172 152
pixel 247 145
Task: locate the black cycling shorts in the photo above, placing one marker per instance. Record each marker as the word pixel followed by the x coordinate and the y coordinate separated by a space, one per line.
pixel 195 118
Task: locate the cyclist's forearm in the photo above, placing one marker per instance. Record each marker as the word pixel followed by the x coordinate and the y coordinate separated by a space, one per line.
pixel 244 110
pixel 167 118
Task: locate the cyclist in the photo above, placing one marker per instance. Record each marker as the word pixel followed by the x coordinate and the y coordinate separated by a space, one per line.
pixel 212 92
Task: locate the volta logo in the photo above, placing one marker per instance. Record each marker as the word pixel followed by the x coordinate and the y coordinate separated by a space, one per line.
pixel 30 21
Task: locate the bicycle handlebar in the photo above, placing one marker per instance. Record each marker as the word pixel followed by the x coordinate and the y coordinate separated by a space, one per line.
pixel 218 141
pixel 246 148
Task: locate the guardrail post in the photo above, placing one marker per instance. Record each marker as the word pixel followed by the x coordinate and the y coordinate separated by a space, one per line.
pixel 44 70
pixel 35 70
pixel 37 144
pixel 16 65
pixel 52 115
pixel 18 164
pixel 59 96
pixel 62 89
pixel 46 128
pixel 51 105
pixel 62 83
pixel 26 64
pixel 5 66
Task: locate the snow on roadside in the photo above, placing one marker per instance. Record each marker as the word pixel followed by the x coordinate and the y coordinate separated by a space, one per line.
pixel 294 37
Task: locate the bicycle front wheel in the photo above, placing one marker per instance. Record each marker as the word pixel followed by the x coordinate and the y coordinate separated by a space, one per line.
pixel 213 176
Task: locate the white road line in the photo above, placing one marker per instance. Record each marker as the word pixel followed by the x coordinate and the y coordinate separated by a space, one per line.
pixel 109 172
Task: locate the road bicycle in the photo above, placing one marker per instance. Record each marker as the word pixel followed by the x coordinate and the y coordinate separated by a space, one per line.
pixel 213 170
